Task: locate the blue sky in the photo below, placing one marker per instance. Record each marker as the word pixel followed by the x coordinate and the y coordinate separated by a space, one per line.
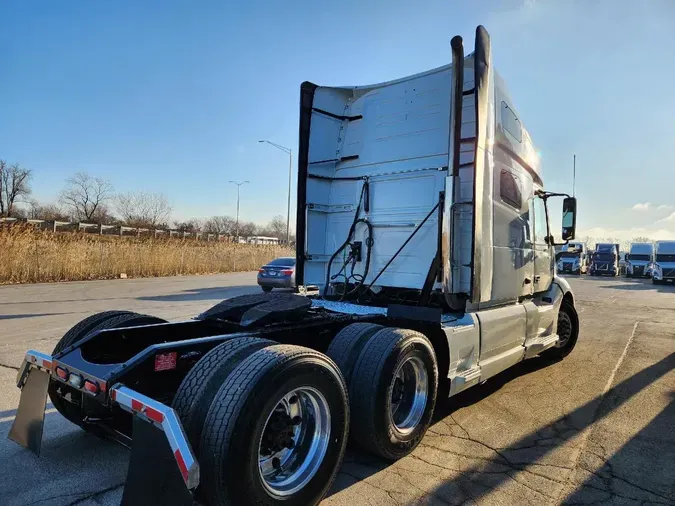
pixel 173 96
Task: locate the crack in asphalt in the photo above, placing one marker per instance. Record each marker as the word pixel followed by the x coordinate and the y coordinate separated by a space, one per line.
pixel 607 475
pixel 79 500
pixel 364 481
pixel 513 468
pixel 94 495
pixel 9 367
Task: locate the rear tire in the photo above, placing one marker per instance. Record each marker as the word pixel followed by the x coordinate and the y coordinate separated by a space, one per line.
pixel 266 289
pixel 242 457
pixel 94 323
pixel 202 382
pixel 656 282
pixel 393 392
pixel 346 346
pixel 568 326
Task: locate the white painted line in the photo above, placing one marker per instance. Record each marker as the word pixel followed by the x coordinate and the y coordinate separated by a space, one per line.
pixel 610 380
pixel 585 434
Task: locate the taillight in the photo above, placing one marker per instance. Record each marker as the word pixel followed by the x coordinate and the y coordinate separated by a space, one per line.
pixel 91 387
pixel 62 373
pixel 287 272
pixel 260 271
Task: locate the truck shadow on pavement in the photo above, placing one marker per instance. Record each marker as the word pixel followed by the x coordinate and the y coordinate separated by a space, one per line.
pixel 611 477
pixel 641 285
pixel 214 293
pixel 533 448
pixel 359 464
pixel 28 315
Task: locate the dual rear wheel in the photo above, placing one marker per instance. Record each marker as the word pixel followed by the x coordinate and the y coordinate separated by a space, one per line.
pixel 270 422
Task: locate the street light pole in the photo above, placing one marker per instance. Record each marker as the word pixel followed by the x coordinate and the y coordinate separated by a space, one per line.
pixel 238 183
pixel 290 174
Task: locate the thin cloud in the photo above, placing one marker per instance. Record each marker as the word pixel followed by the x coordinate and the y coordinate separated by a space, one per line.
pixel 668 219
pixel 641 207
pixel 665 207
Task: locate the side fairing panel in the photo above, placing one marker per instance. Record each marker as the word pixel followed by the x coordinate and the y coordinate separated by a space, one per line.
pixel 463 337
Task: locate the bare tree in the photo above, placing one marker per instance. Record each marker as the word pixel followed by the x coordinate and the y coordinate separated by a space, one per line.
pixel 220 225
pixel 192 225
pixel 247 228
pixel 641 239
pixel 86 197
pixel 277 227
pixel 14 186
pixel 141 209
pixel 49 212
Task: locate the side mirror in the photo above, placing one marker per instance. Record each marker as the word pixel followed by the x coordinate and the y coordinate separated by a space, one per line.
pixel 569 218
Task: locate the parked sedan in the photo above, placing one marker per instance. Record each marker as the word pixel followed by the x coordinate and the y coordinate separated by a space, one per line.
pixel 279 273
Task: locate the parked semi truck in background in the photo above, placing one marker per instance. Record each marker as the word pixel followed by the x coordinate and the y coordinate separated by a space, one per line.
pixel 424 267
pixel 605 260
pixel 573 258
pixel 664 262
pixel 638 259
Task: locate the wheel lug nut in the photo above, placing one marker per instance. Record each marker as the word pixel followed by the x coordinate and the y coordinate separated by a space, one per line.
pixel 276 463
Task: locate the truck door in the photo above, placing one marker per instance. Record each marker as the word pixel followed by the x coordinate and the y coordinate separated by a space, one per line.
pixel 543 257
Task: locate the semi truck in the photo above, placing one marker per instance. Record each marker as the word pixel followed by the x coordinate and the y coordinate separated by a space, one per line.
pixel 573 258
pixel 664 262
pixel 605 260
pixel 424 266
pixel 638 259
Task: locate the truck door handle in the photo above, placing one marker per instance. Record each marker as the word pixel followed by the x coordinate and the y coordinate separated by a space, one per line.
pixel 527 281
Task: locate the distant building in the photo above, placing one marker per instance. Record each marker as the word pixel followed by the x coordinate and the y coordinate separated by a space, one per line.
pixel 260 239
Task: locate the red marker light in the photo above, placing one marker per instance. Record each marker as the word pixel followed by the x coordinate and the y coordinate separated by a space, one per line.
pixel 62 373
pixel 91 387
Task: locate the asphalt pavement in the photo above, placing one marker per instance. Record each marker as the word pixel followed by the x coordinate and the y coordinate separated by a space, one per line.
pixel 595 428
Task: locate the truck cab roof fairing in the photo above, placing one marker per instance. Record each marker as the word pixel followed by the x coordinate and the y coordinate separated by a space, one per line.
pixel 396 136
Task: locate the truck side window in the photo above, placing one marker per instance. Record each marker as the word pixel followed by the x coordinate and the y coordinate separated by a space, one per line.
pixel 540 228
pixel 511 123
pixel 509 189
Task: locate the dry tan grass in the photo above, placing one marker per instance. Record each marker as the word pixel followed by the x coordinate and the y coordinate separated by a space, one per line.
pixel 29 256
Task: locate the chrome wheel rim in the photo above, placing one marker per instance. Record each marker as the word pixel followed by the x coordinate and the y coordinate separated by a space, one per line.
pixel 409 394
pixel 294 441
pixel 564 329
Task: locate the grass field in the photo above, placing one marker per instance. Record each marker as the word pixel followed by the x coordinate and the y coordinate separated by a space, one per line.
pixel 28 256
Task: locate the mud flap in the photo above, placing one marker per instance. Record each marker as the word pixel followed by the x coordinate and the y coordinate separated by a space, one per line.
pixel 30 417
pixel 153 476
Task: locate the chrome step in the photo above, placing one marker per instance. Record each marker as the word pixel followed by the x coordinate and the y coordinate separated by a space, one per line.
pixel 535 346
